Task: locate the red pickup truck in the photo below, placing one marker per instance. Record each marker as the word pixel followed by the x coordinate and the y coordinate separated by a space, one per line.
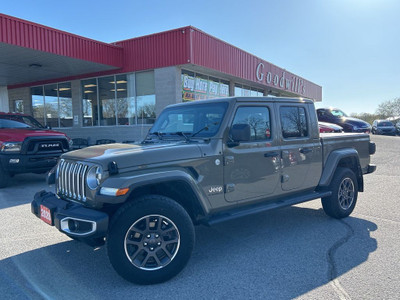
pixel 26 146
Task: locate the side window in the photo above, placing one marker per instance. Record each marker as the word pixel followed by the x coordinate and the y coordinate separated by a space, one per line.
pixel 259 120
pixel 294 122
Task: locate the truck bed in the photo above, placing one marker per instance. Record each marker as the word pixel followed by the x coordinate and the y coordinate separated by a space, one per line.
pixel 357 141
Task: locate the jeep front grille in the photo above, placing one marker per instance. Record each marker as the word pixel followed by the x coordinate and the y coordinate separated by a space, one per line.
pixel 72 179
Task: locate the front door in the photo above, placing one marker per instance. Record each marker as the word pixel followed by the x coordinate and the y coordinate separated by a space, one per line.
pixel 251 169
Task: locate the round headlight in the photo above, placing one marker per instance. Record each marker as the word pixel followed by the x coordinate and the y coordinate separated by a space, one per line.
pixel 93 178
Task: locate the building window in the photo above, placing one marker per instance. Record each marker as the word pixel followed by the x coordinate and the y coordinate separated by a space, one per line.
pixel 145 98
pixel 126 109
pixel 52 104
pixel 126 99
pixel 107 93
pixel 197 86
pixel 246 91
pixel 90 105
pixel 38 103
pixel 65 104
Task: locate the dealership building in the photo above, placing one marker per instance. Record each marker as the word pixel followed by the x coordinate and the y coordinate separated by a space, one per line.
pixel 94 90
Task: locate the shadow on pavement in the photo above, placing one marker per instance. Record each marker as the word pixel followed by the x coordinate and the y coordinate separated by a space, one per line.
pixel 21 189
pixel 275 255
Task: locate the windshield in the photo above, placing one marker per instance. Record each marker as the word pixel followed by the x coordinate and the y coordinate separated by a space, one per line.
pixel 15 121
pixel 12 124
pixel 201 120
pixel 385 123
pixel 338 113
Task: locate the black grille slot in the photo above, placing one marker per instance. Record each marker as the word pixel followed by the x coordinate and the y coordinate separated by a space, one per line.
pixel 71 180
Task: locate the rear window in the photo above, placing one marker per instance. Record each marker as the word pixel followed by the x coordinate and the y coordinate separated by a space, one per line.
pixel 293 121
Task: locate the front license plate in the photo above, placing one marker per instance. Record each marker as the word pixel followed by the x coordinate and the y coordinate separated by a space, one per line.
pixel 45 215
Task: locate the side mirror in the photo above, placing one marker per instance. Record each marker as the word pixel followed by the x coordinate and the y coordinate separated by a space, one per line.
pixel 240 133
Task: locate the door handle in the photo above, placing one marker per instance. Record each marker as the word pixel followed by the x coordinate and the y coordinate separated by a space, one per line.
pixel 305 150
pixel 271 154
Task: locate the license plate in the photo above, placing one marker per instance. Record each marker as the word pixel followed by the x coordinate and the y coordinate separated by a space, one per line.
pixel 45 215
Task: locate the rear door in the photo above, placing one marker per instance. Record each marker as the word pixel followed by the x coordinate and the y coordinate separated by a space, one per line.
pixel 301 147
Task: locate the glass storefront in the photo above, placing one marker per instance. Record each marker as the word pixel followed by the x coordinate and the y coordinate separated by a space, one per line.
pixel 123 99
pixel 52 104
pixel 126 99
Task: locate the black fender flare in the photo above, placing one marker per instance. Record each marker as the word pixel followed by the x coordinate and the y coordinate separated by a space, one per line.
pixel 333 161
pixel 153 177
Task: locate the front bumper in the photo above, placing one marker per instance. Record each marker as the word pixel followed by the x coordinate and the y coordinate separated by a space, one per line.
pixel 388 132
pixel 75 220
pixel 32 163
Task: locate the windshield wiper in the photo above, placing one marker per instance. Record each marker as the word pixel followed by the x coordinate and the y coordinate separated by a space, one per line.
pixel 158 134
pixel 180 133
pixel 188 137
pixel 205 128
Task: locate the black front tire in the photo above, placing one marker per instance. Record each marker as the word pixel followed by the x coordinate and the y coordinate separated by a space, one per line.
pixel 344 189
pixel 150 240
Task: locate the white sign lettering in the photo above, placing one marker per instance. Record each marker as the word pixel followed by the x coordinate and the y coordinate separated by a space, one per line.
pixel 282 81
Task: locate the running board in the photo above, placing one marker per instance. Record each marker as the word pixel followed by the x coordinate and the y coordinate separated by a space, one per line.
pixel 265 206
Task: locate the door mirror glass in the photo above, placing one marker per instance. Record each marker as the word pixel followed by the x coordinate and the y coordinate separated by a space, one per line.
pixel 240 133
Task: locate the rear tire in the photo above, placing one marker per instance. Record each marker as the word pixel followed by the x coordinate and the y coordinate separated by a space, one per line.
pixel 344 189
pixel 150 240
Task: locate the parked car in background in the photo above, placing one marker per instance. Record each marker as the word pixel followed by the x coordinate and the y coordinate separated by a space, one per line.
pixel 398 127
pixel 329 127
pixel 26 146
pixel 338 117
pixel 383 127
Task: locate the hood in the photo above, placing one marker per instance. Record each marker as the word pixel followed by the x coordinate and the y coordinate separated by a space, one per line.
pixel 126 155
pixel 330 125
pixel 354 122
pixel 19 134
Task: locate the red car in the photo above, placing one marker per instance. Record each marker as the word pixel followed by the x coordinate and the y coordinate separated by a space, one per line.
pixel 329 127
pixel 27 147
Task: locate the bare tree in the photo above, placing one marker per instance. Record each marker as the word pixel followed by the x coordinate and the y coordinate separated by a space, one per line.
pixel 389 109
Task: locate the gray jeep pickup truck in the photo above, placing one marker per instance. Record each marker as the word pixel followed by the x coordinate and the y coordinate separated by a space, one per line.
pixel 201 163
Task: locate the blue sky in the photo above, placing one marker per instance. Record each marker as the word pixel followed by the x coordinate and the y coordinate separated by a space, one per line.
pixel 349 47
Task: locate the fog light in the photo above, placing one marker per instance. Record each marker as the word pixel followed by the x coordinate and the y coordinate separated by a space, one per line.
pixel 14 161
pixel 73 225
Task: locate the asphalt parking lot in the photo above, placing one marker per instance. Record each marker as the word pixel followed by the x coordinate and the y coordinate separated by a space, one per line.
pixel 296 252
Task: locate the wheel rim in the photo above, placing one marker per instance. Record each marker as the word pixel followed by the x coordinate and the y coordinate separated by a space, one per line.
pixel 152 242
pixel 346 193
